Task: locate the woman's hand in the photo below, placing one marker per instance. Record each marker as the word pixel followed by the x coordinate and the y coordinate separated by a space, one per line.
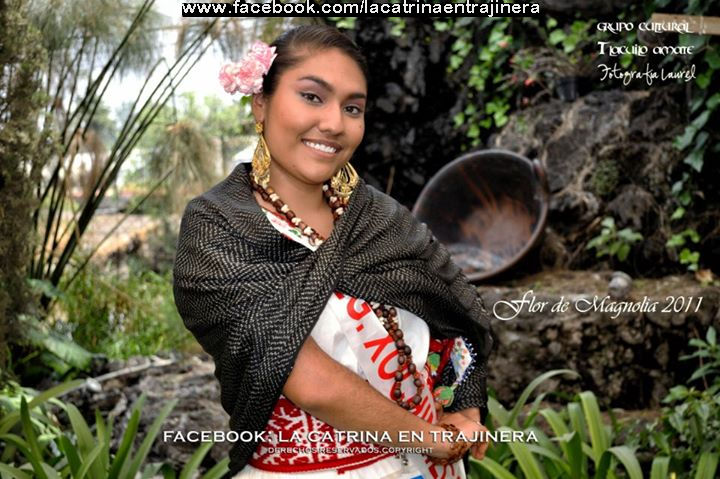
pixel 468 421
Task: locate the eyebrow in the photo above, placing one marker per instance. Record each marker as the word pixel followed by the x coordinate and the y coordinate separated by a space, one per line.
pixel 329 87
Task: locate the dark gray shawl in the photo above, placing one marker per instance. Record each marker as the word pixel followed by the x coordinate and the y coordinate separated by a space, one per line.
pixel 251 296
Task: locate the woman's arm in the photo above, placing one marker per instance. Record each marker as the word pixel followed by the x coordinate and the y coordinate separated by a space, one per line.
pixel 329 391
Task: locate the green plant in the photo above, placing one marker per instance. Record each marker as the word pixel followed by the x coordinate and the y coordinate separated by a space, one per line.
pixel 581 446
pixel 612 242
pixel 124 316
pixel 32 449
pixel 687 433
pixel 114 41
pixel 687 256
pixel 486 75
pixel 605 178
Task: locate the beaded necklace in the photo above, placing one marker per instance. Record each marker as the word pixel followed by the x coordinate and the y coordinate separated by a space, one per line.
pixel 387 315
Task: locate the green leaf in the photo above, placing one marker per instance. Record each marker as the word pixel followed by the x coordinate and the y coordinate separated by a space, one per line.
pixel 520 403
pixel 31 439
pixel 556 460
pixel 629 460
pixel 707 466
pixel 626 60
pixel 24 448
pixel 660 468
pixel 684 198
pixel 623 251
pixel 441 26
pixel 685 139
pixel 150 436
pixel 689 257
pixel 85 441
pixel 675 241
pixel 702 80
pixel 151 470
pixel 712 57
pixel 676 393
pixel 598 436
pixel 576 458
pixel 90 460
pixel 495 469
pixel 13 472
pixel 713 102
pixel 695 159
pixel 473 131
pixel 711 336
pixel 608 222
pixel 459 119
pixel 103 437
pixel 127 440
pixel 498 411
pixel 678 213
pixel 64 348
pixel 556 36
pixel 701 119
pixel 218 470
pixel 528 464
pixel 191 467
pixel 70 452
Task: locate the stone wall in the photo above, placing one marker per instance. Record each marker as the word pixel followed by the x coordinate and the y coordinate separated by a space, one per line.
pixel 630 360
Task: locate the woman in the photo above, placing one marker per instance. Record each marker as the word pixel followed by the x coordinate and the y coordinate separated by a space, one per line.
pixel 325 304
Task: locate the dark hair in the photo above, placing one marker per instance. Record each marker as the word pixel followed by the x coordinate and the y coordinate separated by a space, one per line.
pixel 308 37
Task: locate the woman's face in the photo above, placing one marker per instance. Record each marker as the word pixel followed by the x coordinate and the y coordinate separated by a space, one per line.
pixel 314 120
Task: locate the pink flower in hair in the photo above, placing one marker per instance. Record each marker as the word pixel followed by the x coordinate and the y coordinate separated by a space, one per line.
pixel 246 76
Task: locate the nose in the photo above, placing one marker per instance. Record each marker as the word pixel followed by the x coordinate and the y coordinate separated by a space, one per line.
pixel 332 121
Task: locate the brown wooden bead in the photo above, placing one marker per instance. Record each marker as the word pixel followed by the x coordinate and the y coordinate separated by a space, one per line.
pixel 418 382
pixel 400 344
pixel 290 214
pixel 397 393
pixel 401 359
pixel 399 334
pixel 398 376
pixel 416 400
pixel 408 350
pixel 411 368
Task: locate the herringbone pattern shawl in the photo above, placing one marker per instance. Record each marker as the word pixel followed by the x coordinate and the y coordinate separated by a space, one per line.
pixel 251 296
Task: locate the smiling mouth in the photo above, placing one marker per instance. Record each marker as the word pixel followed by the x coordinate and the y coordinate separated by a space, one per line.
pixel 320 147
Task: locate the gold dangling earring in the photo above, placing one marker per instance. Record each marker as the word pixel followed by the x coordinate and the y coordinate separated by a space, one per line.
pixel 261 158
pixel 344 181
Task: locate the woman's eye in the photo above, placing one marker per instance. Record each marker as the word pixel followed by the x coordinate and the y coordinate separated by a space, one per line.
pixel 310 97
pixel 355 110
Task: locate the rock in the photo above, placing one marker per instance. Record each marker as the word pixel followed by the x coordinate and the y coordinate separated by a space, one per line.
pixel 608 153
pixel 190 380
pixel 630 359
pixel 619 285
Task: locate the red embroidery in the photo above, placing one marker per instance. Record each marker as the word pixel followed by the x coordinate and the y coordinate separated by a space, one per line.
pixel 288 419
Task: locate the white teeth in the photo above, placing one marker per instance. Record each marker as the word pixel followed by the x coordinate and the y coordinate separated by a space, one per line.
pixel 318 146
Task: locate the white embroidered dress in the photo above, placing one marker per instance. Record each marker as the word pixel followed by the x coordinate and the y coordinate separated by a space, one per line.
pixel 347 320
